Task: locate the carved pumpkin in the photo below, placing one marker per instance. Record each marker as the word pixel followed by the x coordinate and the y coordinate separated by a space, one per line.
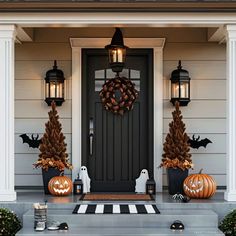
pixel 60 186
pixel 199 186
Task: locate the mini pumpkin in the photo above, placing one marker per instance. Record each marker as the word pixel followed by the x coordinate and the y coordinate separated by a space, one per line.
pixel 199 186
pixel 60 185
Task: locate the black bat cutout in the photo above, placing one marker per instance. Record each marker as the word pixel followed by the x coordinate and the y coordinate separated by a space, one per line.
pixel 196 142
pixel 34 142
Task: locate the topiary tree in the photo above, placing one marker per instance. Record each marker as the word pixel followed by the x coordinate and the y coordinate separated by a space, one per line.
pixel 176 147
pixel 53 147
pixel 228 224
pixel 9 222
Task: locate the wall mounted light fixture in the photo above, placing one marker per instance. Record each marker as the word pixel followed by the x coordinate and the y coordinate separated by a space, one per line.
pixel 54 86
pixel 180 86
pixel 117 52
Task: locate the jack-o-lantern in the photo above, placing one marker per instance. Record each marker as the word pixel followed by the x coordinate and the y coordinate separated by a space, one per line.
pixel 199 186
pixel 60 185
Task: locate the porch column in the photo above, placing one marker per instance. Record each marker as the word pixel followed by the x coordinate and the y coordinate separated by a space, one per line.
pixel 7 38
pixel 230 194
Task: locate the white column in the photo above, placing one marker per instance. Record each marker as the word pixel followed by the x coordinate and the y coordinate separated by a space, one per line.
pixel 230 194
pixel 7 38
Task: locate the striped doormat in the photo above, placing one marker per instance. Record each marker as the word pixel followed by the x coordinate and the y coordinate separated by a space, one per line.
pixel 116 209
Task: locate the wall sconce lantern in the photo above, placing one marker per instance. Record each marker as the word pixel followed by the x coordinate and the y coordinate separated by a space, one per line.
pixel 180 86
pixel 54 86
pixel 117 52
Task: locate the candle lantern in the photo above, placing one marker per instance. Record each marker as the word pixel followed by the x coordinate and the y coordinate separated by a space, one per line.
pixel 54 86
pixel 180 86
pixel 78 186
pixel 151 186
pixel 117 52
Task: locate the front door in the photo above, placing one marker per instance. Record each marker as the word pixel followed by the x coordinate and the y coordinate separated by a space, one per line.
pixel 116 148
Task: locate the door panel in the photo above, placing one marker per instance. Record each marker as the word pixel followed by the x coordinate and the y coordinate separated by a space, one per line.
pixel 122 145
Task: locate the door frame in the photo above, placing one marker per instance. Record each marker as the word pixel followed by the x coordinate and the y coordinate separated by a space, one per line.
pixel 157 44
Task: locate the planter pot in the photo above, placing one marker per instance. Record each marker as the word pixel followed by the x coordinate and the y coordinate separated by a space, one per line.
pixel 176 179
pixel 47 175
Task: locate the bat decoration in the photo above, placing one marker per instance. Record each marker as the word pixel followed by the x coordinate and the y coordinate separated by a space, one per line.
pixel 196 142
pixel 33 142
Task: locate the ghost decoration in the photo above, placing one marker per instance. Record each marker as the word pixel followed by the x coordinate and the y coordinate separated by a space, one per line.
pixel 141 182
pixel 83 175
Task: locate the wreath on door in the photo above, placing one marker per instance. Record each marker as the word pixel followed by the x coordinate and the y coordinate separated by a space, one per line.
pixel 118 95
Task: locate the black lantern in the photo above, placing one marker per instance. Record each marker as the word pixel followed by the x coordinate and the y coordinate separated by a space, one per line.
pixel 117 52
pixel 78 186
pixel 151 187
pixel 54 86
pixel 180 86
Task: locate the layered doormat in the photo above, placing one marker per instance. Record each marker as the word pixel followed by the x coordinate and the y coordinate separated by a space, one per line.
pixel 116 197
pixel 116 209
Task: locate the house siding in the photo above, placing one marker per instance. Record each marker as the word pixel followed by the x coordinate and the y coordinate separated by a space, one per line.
pixel 205 115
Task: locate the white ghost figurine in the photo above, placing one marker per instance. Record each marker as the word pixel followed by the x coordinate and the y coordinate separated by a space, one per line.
pixel 83 175
pixel 141 182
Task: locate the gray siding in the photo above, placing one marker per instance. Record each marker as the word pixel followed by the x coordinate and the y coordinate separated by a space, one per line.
pixel 204 116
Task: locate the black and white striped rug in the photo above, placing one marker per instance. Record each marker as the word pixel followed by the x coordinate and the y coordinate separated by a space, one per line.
pixel 116 209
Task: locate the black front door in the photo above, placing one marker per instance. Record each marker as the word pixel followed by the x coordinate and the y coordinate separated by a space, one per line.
pixel 116 148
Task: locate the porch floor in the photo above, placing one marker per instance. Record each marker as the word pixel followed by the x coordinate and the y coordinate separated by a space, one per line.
pixel 160 198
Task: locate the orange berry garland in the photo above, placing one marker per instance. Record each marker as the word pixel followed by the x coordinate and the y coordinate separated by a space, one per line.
pixel 118 95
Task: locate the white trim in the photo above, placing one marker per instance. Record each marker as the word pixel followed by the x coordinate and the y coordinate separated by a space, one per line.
pixel 230 194
pixel 134 19
pixel 157 44
pixel 7 59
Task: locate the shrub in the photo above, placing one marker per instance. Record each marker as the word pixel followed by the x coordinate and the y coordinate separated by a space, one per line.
pixel 9 222
pixel 228 224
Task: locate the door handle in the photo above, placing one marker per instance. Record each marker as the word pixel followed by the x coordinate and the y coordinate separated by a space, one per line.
pixel 91 136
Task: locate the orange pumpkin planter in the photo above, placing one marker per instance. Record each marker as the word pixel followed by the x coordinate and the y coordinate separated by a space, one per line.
pixel 199 186
pixel 60 186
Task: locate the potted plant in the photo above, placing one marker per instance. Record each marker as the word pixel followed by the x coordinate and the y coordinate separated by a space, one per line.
pixel 227 225
pixel 176 156
pixel 53 158
pixel 9 223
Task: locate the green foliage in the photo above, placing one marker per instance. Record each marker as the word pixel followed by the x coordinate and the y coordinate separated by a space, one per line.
pixel 228 224
pixel 9 222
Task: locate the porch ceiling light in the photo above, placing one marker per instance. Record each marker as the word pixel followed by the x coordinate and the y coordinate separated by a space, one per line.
pixel 54 86
pixel 117 51
pixel 180 86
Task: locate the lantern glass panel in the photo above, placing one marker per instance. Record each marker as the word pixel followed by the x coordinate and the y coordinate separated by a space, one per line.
pixel 59 90
pixel 47 90
pixel 52 89
pixel 184 89
pixel 175 89
pixel 117 55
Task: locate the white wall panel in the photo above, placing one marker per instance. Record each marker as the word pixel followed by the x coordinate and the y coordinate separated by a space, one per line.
pixel 25 163
pixel 24 125
pixel 194 51
pixel 214 69
pixel 36 70
pixel 220 180
pixel 34 89
pixel 204 161
pixel 202 126
pixel 39 109
pixel 21 148
pixel 201 89
pixel 199 109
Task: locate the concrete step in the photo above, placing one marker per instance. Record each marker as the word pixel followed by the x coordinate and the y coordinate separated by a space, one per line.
pixel 124 231
pixel 190 218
